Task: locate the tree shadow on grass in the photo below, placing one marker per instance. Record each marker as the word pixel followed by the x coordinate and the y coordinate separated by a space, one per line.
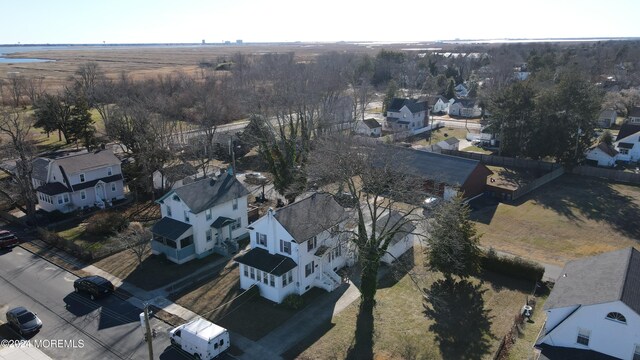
pixel 573 196
pixel 461 324
pixel 362 348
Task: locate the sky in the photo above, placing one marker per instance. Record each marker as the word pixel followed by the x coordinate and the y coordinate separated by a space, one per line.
pixel 191 21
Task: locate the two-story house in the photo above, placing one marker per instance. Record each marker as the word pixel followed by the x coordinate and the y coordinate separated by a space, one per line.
pixel 439 104
pixel 406 115
pixel 78 181
pixel 201 218
pixel 295 248
pixel 465 108
pixel 634 115
pixel 627 142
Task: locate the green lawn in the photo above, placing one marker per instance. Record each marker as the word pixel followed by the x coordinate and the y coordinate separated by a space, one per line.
pixel 568 218
pixel 438 135
pixel 403 332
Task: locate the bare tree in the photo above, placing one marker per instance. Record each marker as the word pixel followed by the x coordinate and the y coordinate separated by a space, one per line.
pixel 34 88
pixel 85 80
pixel 16 126
pixel 15 87
pixel 135 238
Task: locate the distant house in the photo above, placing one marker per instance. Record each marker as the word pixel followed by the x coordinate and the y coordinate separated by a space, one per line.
pixel 78 181
pixel 451 143
pixel 607 118
pixel 628 142
pixel 461 90
pixel 406 115
pixel 402 241
pixel 173 176
pixel 465 108
pixel 439 104
pixel 520 72
pixel 593 311
pixel 634 115
pixel 295 248
pixel 602 155
pixel 369 127
pixel 444 175
pixel 201 218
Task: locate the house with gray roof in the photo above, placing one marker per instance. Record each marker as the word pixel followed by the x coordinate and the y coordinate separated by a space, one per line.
pixel 467 108
pixel 75 181
pixel 369 127
pixel 204 217
pixel 296 247
pixel 606 118
pixel 593 310
pixel 627 142
pixel 406 115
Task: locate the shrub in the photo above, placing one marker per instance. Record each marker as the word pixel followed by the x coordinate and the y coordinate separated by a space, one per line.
pixel 512 266
pixel 293 301
pixel 106 223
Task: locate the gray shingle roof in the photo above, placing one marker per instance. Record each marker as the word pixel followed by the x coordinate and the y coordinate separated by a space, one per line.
pixel 207 193
pixel 627 129
pixel 452 140
pixel 372 123
pixel 603 278
pixel 448 169
pixel 40 169
pixel 92 183
pixel 260 259
pixel 609 150
pixel 634 112
pixel 53 189
pixel 413 105
pixel 82 162
pixel 389 221
pixel 170 228
pixel 310 216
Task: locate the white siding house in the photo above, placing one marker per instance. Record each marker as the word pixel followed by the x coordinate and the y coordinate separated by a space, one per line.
pixel 369 127
pixel 78 181
pixel 439 105
pixel 406 115
pixel 295 248
pixel 603 155
pixel 594 308
pixel 606 118
pixel 628 143
pixel 403 239
pixel 201 218
pixel 465 108
pixel 451 143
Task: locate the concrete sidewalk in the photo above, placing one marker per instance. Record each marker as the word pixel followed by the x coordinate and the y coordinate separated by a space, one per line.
pixel 22 353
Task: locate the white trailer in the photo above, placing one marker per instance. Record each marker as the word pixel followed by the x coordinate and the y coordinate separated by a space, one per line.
pixel 200 338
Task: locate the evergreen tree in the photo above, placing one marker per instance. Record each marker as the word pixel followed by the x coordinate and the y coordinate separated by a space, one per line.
pixel 451 90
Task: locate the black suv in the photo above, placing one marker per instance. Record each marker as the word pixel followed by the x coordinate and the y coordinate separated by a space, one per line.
pixel 96 286
pixel 23 321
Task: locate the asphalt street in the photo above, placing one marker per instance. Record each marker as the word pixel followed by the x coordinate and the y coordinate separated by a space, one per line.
pixel 74 327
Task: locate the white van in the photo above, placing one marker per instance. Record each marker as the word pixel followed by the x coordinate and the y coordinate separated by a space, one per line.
pixel 200 338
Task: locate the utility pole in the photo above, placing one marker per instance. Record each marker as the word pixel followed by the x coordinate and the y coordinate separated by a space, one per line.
pixel 148 328
pixel 232 152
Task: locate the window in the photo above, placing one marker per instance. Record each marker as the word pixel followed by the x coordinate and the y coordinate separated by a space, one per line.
pixel 636 353
pixel 246 270
pixel 235 204
pixel 59 199
pixel 83 194
pixel 207 214
pixel 81 177
pixel 284 280
pixel 624 151
pixel 261 239
pixel 65 197
pixel 215 346
pixel 272 280
pixel 285 247
pixel 186 216
pixel 168 211
pixel 308 269
pixel 252 273
pixel 236 224
pixel 208 233
pixel 259 275
pixel 312 243
pixel 583 337
pixel 290 276
pixel 113 187
pixel 186 241
pixel 265 278
pixel 616 316
pixel 109 171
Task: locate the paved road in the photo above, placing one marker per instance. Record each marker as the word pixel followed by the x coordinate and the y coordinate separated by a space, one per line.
pixel 109 328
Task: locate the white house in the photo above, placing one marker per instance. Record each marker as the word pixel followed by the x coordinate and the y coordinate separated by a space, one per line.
pixel 406 115
pixel 402 240
pixel 634 115
pixel 369 127
pixel 451 143
pixel 594 309
pixel 602 155
pixel 201 218
pixel 628 142
pixel 465 108
pixel 439 104
pixel 173 176
pixel 295 248
pixel 607 118
pixel 78 181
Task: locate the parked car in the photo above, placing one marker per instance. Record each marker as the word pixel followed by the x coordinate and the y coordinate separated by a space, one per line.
pixel 7 239
pixel 96 286
pixel 23 321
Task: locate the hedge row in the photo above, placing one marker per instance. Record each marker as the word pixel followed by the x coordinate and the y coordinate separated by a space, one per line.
pixel 512 266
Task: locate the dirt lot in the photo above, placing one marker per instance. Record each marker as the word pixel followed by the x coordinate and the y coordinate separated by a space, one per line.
pixel 569 218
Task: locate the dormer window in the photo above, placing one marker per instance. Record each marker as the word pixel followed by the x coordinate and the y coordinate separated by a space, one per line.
pixel 109 171
pixel 81 177
pixel 617 317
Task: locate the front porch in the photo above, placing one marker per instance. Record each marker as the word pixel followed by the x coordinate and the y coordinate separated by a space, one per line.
pixel 172 250
pixel 174 239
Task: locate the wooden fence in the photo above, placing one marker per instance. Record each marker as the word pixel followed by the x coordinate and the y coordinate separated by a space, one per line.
pixel 523 190
pixel 609 174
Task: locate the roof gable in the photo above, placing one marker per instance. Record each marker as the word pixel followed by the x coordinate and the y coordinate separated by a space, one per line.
pixel 208 192
pixel 372 123
pixel 608 150
pixel 608 277
pixel 310 216
pixel 627 129
pixel 414 106
pixel 78 163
